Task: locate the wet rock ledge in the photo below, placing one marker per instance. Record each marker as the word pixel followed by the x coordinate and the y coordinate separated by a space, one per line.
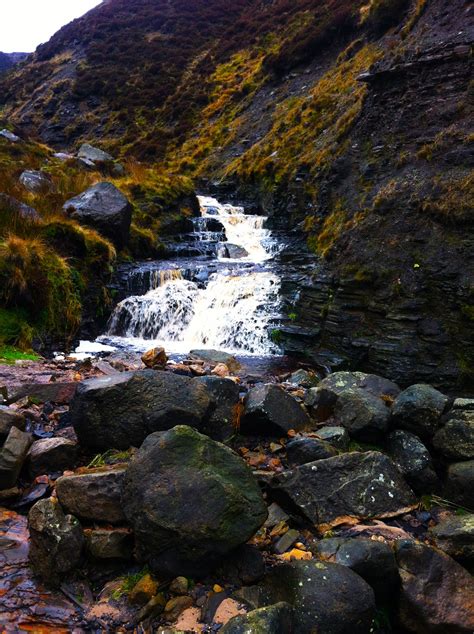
pixel 186 497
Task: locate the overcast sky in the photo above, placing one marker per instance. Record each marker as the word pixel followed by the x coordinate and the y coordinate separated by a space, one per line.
pixel 26 23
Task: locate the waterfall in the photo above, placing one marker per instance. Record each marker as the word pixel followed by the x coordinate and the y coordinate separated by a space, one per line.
pixel 233 310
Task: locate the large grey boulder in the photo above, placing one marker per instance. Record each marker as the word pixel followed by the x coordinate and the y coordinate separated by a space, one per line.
pixel 91 153
pixel 190 500
pixel 414 461
pixel 326 597
pixel 418 409
pixel 363 485
pixel 56 541
pixel 365 416
pixel 12 456
pixel 35 181
pixel 437 594
pixel 269 410
pixel 322 399
pixel 120 411
pixel 104 208
pixel 455 536
pixel 94 495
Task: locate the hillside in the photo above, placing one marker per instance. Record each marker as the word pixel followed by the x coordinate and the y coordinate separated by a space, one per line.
pixel 348 120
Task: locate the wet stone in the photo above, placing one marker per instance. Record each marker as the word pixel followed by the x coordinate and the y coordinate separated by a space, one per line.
pixel 12 456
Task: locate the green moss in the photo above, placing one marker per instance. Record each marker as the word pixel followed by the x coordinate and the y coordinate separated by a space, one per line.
pixel 9 355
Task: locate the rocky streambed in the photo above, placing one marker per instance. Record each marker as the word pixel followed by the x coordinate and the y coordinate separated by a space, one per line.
pixel 196 496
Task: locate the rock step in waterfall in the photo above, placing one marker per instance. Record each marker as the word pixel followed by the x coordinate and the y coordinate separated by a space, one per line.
pixel 229 304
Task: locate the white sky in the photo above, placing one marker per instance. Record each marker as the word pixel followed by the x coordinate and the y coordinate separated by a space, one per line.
pixel 26 23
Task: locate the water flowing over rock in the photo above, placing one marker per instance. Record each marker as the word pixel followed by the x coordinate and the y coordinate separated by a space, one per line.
pixel 190 501
pixel 231 309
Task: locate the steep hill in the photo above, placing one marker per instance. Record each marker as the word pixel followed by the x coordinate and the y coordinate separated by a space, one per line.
pixel 347 120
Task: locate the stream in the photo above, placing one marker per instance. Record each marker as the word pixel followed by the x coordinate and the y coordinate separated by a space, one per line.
pixel 219 290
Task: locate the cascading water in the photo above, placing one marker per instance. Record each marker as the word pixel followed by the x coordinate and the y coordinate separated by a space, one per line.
pixel 229 304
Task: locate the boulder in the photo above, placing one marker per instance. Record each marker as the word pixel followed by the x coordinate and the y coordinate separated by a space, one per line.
pixel 109 543
pixel 231 251
pixel 12 456
pixel 56 541
pixel 365 416
pixel 23 211
pixel 213 357
pixel 269 410
pixel 455 440
pixel 455 536
pixel 60 393
pixel 122 410
pixel 336 436
pixel 418 409
pixel 190 501
pixel 223 419
pixel 326 597
pixel 49 455
pixel 374 561
pixel 362 485
pixel 323 398
pixel 35 181
pixel 244 565
pixel 302 450
pixel 274 619
pixel 437 594
pixel 91 153
pixel 104 208
pixel 460 483
pixel 93 495
pixel 155 358
pixel 10 418
pixel 9 136
pixel 414 461
pixel 303 378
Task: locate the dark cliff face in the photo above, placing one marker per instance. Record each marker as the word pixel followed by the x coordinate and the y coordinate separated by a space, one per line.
pixel 347 122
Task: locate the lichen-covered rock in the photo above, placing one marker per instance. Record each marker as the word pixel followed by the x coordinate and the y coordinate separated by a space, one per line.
pixel 51 454
pixel 302 450
pixel 323 398
pixel 365 416
pixel 91 153
pixel 414 461
pixel 354 484
pixel 374 561
pixel 326 597
pixel 269 410
pixel 274 619
pixel 56 541
pixel 437 594
pixel 455 536
pixel 104 208
pixel 94 495
pixel 12 456
pixel 418 409
pixel 122 410
pixel 190 501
